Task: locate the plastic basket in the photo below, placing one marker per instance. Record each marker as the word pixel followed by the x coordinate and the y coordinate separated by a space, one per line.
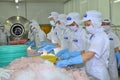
pixel 10 53
pixel 51 58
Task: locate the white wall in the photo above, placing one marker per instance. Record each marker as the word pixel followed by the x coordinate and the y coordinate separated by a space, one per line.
pixel 115 12
pixel 37 11
pixel 108 8
pixel 40 11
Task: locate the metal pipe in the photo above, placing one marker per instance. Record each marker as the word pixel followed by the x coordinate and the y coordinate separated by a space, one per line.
pixel 26 8
pixel 110 9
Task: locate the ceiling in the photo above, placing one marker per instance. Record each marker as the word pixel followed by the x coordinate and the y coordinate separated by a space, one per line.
pixel 63 1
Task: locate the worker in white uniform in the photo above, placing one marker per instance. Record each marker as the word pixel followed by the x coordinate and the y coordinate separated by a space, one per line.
pixel 30 41
pixel 77 36
pixel 61 35
pixel 57 33
pixel 62 31
pixel 60 25
pixel 4 35
pixel 37 34
pixel 96 57
pixel 114 47
pixel 30 33
pixel 51 36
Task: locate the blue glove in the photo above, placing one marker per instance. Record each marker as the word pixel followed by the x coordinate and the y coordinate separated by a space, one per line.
pixel 68 55
pixel 47 43
pixel 47 48
pixel 72 61
pixel 60 53
pixel 30 43
pixel 117 54
pixel 42 44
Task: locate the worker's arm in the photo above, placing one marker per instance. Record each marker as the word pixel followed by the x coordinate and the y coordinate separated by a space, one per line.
pixel 87 55
pixel 116 49
pixel 76 60
pixel 57 45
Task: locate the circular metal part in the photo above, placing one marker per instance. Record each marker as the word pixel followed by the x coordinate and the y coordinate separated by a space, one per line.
pixel 18 27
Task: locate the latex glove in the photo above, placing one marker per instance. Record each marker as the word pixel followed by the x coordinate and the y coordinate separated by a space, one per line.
pixel 60 53
pixel 72 61
pixel 46 43
pixel 4 73
pixel 117 54
pixel 68 55
pixel 48 48
pixel 30 43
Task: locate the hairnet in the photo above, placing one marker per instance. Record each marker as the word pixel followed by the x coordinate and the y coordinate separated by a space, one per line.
pixel 54 15
pixel 62 18
pixel 107 20
pixel 94 16
pixel 35 24
pixel 73 17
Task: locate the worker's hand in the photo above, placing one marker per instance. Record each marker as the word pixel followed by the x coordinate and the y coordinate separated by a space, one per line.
pixel 117 54
pixel 60 53
pixel 71 61
pixel 68 55
pixel 48 48
pixel 47 43
pixel 4 73
pixel 30 43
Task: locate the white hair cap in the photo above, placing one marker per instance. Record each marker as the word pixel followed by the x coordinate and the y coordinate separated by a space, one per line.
pixel 107 20
pixel 34 23
pixel 54 15
pixel 73 17
pixel 62 18
pixel 92 15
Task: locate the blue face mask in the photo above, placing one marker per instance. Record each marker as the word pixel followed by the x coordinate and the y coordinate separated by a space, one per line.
pixel 52 23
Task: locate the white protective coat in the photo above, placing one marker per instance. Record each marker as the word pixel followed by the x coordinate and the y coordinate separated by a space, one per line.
pixel 112 66
pixel 30 35
pixel 98 65
pixel 53 36
pixel 64 38
pixel 56 33
pixel 77 40
pixel 38 34
pixel 3 37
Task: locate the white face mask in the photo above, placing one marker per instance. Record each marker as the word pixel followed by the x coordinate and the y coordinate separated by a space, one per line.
pixel 107 28
pixel 73 28
pixel 90 29
pixel 52 23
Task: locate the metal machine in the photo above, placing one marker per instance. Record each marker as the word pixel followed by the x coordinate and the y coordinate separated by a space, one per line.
pixel 18 27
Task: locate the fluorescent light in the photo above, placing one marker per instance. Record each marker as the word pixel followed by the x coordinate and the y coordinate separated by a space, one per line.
pixel 7 21
pixel 18 17
pixel 116 1
pixel 16 1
